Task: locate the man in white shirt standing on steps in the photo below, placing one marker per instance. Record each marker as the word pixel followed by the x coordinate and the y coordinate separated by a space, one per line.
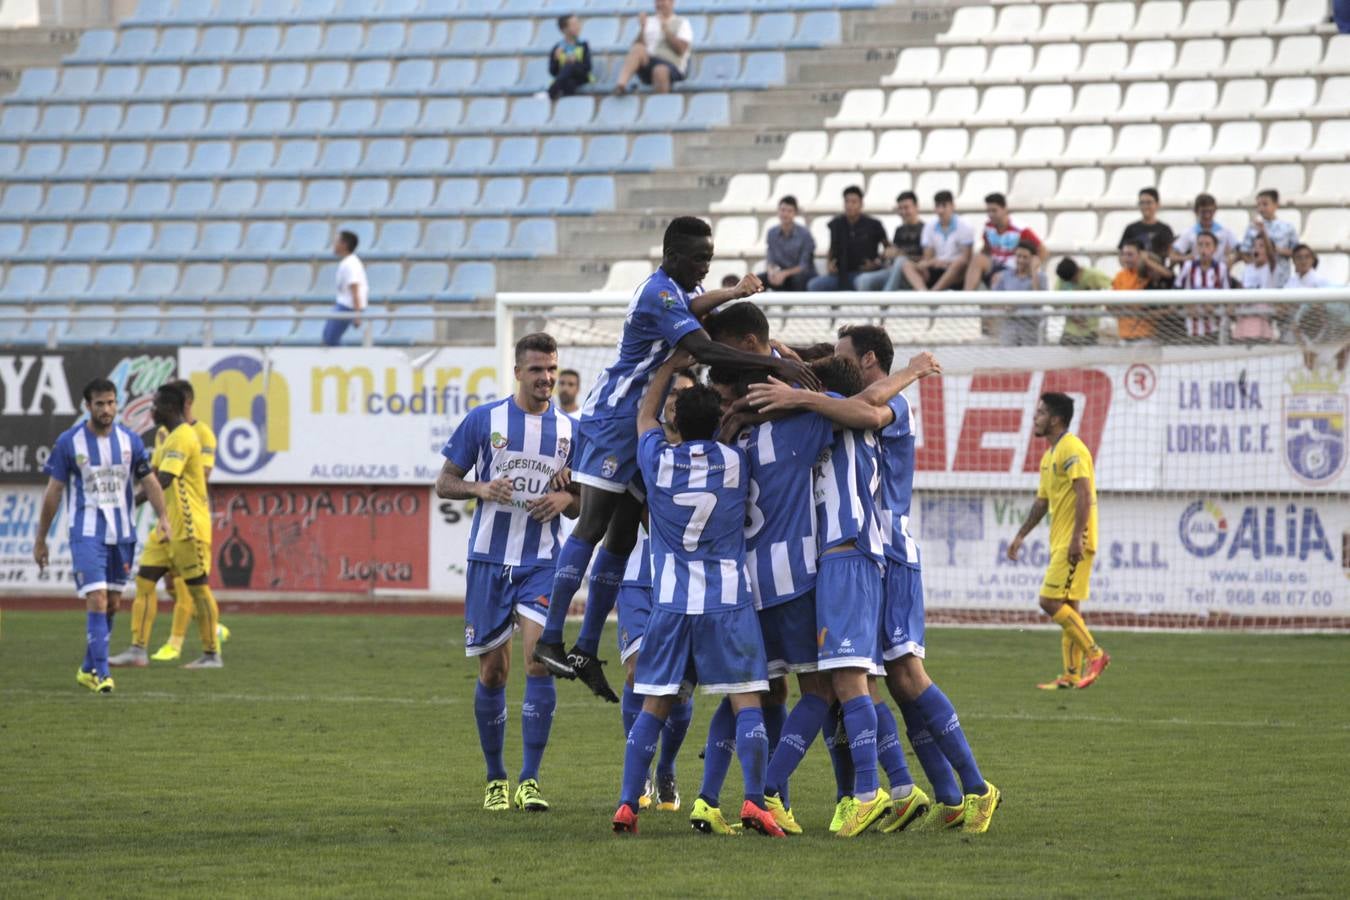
pixel 352 291
pixel 660 54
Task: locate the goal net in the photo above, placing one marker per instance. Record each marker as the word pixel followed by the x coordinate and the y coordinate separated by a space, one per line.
pixel 1221 473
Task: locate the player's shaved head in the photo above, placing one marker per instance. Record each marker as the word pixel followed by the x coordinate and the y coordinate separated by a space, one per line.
pixel 736 321
pixel 1060 406
pixel 869 339
pixel 840 375
pixel 698 413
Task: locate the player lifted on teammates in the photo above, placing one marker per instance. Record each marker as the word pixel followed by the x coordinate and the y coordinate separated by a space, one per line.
pixel 1068 489
pixel 97 463
pixel 664 314
pixel 516 447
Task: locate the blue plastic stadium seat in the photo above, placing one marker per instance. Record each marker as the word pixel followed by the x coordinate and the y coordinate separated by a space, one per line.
pixel 174 240
pixel 651 151
pixel 535 237
pixel 356 116
pixel 428 154
pixel 227 118
pixel 149 199
pixel 167 160
pixel 263 236
pixel 772 31
pixel 512 36
pixel 534 75
pixel 312 116
pixel 662 111
pixel 21 199
pixel 545 195
pixel 408 328
pixel 59 120
pixel 180 44
pixel 308 239
pixel 106 199
pixel 64 200
pixel 309 332
pixel 68 281
pixel 475 279
pixel 244 80
pixel 327 78
pixel 456 194
pixel 716 69
pixel 514 154
pixel 530 114
pixel 124 159
pixel 268 117
pixel 441 114
pixel 502 196
pixel 230 324
pixel 479 6
pixel 193 198
pixel 9 157
pixel 81 160
pixel 384 279
pixel 209 158
pixel 202 81
pixel 314 9
pixel 101 119
pixel 45 240
pixel 237 197
pixel 617 113
pixel 185 118
pixel 605 152
pixel 244 281
pixel 96 45
pixel 425 280
pixel 397 237
pixel 411 196
pixel 152 10
pixel 101 325
pixel 76 83
pixel 413 76
pixel 122 81
pixel 291 280
pixel 285 80
pixel 18 121
pixel 498 74
pixel 397 116
pixel 818 29
pixel 112 281
pixel 258 42
pixel 602 33
pixel 49 329
pixel 731 30
pixel 297 157
pixel 559 152
pixel 325 195
pixel 697 24
pixel 764 70
pixel 23 283
pixel 135 43
pixel 383 40
pixel 130 241
pixel 708 110
pixel 427 38
pixel 441 237
pixel 201 280
pixel 592 192
pixel 341 41
pixel 371 76
pixel 41 159
pixel 485 113
pixel 455 75
pixel 471 154
pixel 11 238
pixel 339 157
pixel 39 83
pixel 300 42
pixel 143 119
pixel 91 238
pixel 272 324
pixel 153 281
pixel 368 195
pixel 470 36
pixel 383 155
pixel 487 238
pixel 219 239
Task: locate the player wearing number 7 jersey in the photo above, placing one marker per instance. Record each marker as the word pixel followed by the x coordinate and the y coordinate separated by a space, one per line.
pixel 702 624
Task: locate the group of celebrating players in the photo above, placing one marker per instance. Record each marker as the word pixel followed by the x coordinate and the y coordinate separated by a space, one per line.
pixel 749 529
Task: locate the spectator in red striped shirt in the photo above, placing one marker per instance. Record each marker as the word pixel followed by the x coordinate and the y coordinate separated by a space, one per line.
pixel 1205 272
pixel 1001 238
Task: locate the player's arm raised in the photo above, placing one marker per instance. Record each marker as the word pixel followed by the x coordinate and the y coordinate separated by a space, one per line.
pixel 709 352
pixel 649 413
pixel 51 501
pixel 1038 510
pixel 708 301
pixel 881 392
pixel 848 412
pixel 450 485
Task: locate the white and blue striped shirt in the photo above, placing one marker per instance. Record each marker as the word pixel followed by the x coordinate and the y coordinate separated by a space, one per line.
pixel 639 570
pixel 100 474
pixel 658 317
pixel 897 483
pixel 499 440
pixel 780 522
pixel 846 481
pixel 696 493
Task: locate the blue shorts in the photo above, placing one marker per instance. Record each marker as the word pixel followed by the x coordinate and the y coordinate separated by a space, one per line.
pixel 848 610
pixel 902 612
pixel 494 595
pixel 790 635
pixel 606 456
pixel 723 652
pixel 634 605
pixel 101 567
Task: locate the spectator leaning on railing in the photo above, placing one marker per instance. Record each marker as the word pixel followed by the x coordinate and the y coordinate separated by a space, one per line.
pixel 906 247
pixel 1318 323
pixel 569 62
pixel 352 291
pixel 660 55
pixel 856 244
pixel 1253 322
pixel 947 245
pixel 1025 275
pixel 791 262
pixel 1281 235
pixel 1135 324
pixel 1205 272
pixel 1080 330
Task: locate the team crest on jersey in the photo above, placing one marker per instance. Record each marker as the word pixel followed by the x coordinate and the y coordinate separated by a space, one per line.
pixel 667 300
pixel 1315 426
pixel 468 634
pixel 81 460
pixel 610 466
pixel 564 444
pixel 498 441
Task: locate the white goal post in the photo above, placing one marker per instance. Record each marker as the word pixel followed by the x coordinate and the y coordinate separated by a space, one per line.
pixel 1223 491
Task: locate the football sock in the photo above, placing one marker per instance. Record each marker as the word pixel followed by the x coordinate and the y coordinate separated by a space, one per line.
pixel 637 757
pixel 1066 648
pixel 109 616
pixel 930 756
pixel 1067 617
pixel 890 755
pixel 860 724
pixel 752 749
pixel 774 716
pixel 672 736
pixel 96 638
pixel 536 719
pixel 489 709
pixel 799 732
pixel 601 592
pixel 945 727
pixel 183 611
pixel 208 615
pixel 717 752
pixel 573 559
pixel 630 705
pixel 839 756
pixel 143 611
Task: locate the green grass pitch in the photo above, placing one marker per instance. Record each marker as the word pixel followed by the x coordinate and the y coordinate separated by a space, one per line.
pixel 337 755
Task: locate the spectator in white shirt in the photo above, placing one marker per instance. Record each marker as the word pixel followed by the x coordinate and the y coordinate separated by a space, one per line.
pixel 660 55
pixel 352 292
pixel 947 245
pixel 1253 322
pixel 1206 207
pixel 1305 270
pixel 1281 235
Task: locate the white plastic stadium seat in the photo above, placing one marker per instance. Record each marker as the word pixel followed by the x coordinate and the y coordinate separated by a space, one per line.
pixel 1050 102
pixel 991 147
pixel 1057 61
pixel 1137 144
pixel 1126 183
pixel 1113 225
pixel 736 235
pixel 625 273
pixel 831 195
pixel 1254 16
pixel 1105 60
pixel 1285 140
pixel 980 183
pixel 744 192
pixel 1073 231
pixel 1249 56
pixel 1236 140
pixel 1330 184
pixel 1192 99
pixel 1233 185
pixel 1031 188
pixel 1089 142
pixel 1335 268
pixel 1198 58
pixel 916 65
pixel 1333 137
pixel 1335 96
pixel 1042 143
pixel 945 146
pixel 802 185
pixel 1110 20
pixel 961 65
pixel 1001 103
pixel 929 183
pixel 1181 183
pixel 906 106
pixel 1009 62
pixel 884 187
pixel 1299 53
pixel 1096 103
pixel 859 108
pixel 1018 22
pixel 1158 18
pixel 1337 59
pixel 954 105
pixel 1242 97
pixel 896 147
pixel 1204 17
pixel 849 150
pixel 1187 141
pixel 1302 15
pixel 1144 100
pixel 1152 58
pixel 1289 95
pixel 802 150
pixel 1080 188
pixel 969 24
pixel 1064 21
pixel 1287 178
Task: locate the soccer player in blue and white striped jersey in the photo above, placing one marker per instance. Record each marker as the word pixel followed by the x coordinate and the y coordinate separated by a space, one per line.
pixel 702 626
pixel 97 464
pixel 663 315
pixel 516 447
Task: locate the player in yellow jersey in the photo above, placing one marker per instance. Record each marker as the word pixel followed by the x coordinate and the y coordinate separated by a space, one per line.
pixel 1068 490
pixel 156 555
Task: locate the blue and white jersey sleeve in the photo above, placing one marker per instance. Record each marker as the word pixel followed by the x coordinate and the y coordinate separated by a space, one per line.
pixel 696 493
pixel 897 483
pixel 639 570
pixel 500 440
pixel 780 521
pixel 99 473
pixel 846 482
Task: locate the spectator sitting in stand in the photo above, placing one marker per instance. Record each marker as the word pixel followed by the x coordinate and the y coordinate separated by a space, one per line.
pixel 1206 272
pixel 856 244
pixel 1080 330
pixel 1001 239
pixel 569 63
pixel 1184 247
pixel 1252 321
pixel 792 251
pixel 1135 324
pixel 906 247
pixel 660 55
pixel 1025 275
pixel 947 244
pixel 1281 235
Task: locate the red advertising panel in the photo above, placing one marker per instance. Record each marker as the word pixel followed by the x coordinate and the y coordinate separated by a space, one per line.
pixel 330 539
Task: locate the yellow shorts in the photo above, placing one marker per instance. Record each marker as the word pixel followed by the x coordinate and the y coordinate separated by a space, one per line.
pixel 187 559
pixel 1065 582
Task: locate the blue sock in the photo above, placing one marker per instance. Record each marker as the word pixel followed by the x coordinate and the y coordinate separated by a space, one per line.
pixel 717 753
pixel 752 749
pixel 860 724
pixel 799 732
pixel 890 754
pixel 97 642
pixel 111 613
pixel 672 736
pixel 930 756
pixel 839 755
pixel 536 719
pixel 774 717
pixel 602 590
pixel 489 709
pixel 88 664
pixel 630 705
pixel 637 757
pixel 573 559
pixel 945 727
